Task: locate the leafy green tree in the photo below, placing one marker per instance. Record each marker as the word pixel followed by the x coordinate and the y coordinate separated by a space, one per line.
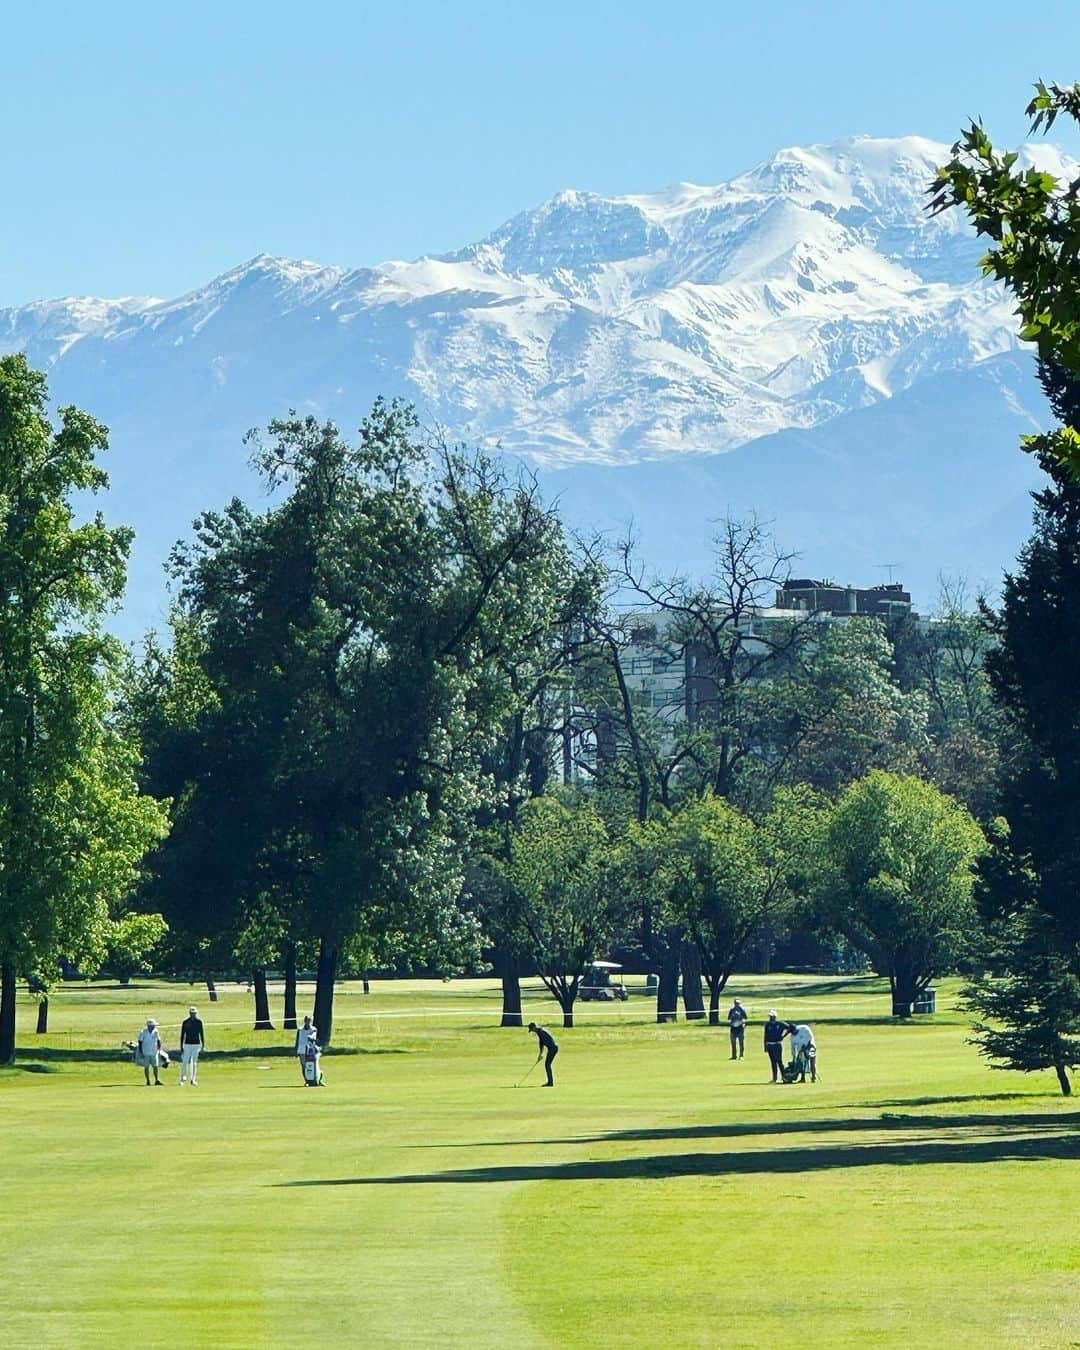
pixel 727 879
pixel 73 828
pixel 561 865
pixel 1033 223
pixel 539 673
pixel 350 691
pixel 966 732
pixel 131 941
pixel 899 872
pixel 837 712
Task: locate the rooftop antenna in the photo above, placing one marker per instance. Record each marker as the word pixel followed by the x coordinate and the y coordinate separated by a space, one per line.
pixel 890 567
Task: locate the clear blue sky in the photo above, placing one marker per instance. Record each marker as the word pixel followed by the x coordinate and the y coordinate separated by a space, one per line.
pixel 149 147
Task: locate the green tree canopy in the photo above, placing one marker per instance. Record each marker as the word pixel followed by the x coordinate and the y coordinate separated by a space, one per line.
pixel 1033 223
pixel 351 691
pixel 73 827
pixel 898 877
pixel 561 865
pixel 727 879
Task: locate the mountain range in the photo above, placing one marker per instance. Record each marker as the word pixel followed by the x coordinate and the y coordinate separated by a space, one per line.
pixel 802 341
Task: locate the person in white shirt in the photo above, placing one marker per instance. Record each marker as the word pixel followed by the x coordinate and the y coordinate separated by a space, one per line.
pixel 148 1050
pixel 305 1035
pixel 805 1051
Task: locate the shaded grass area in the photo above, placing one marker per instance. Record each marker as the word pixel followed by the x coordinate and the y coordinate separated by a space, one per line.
pixel 961 1139
pixel 910 1152
pixel 1058 1121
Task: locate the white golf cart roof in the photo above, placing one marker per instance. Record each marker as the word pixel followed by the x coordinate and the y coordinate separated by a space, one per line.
pixel 605 965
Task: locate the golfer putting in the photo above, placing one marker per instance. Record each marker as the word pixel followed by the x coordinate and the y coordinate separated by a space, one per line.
pixel 547 1043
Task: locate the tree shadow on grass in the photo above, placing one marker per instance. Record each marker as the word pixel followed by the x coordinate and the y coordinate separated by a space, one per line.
pixel 929 1101
pixel 851 984
pixel 1021 1123
pixel 968 1097
pixel 918 1151
pixel 945 1019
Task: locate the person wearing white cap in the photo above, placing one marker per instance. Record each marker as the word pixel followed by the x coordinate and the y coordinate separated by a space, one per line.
pixel 192 1040
pixel 148 1048
pixel 775 1031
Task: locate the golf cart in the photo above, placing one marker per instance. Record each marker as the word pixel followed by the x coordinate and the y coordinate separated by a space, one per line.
pixel 603 983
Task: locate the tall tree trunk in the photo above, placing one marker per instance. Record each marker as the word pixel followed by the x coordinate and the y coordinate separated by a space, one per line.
pixel 715 990
pixel 7 1012
pixel 905 989
pixel 667 991
pixel 691 982
pixel 43 1015
pixel 289 1022
pixel 365 983
pixel 511 988
pixel 568 1016
pixel 262 1001
pixel 1063 1079
pixel 325 976
pixel 211 989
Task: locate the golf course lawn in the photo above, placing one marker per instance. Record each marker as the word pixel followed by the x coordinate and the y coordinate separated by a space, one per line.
pixel 661 1194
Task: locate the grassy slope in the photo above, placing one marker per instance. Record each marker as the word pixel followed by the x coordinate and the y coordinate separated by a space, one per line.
pixel 660 1193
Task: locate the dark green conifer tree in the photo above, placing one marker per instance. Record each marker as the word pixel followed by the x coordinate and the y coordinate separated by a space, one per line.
pixel 1029 999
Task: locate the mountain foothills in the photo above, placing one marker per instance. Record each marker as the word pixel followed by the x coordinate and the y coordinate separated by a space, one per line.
pixel 806 318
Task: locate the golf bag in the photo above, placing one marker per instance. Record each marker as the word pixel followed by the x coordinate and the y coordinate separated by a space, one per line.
pixel 805 1062
pixel 313 1065
pixel 141 1060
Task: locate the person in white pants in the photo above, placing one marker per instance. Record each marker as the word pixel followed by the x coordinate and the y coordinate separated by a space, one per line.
pixel 192 1040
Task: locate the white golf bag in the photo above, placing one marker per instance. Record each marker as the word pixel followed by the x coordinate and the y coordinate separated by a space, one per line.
pixel 313 1065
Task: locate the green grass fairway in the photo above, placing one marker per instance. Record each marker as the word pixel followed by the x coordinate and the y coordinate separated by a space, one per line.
pixel 661 1194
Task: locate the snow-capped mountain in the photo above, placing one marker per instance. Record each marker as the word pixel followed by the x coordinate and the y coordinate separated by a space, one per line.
pixel 602 330
pixel 597 328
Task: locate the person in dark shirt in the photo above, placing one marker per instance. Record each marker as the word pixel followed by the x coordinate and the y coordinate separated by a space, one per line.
pixel 192 1041
pixel 737 1025
pixel 546 1042
pixel 775 1031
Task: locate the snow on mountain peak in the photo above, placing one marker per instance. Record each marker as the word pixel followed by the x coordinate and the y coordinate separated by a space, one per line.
pixel 611 328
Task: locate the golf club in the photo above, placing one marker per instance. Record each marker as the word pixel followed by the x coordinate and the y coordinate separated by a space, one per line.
pixel 521 1083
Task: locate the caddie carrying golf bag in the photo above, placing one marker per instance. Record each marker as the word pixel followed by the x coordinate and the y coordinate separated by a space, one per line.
pixel 313 1065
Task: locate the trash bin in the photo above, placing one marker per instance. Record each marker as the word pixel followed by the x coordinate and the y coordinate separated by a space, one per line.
pixel 652 983
pixel 926 1002
pixel 901 1008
